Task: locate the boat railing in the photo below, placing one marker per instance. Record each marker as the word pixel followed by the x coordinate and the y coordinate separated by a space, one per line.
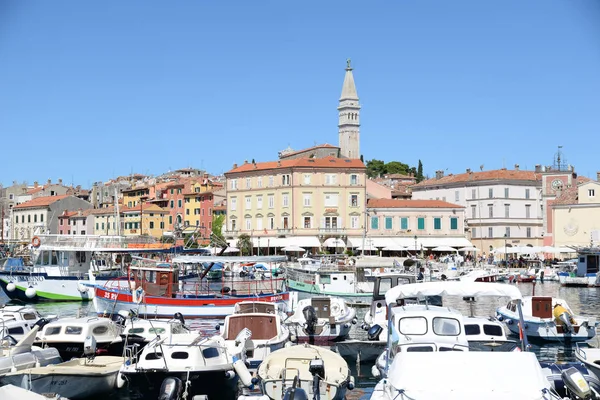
pixel 580 351
pixel 92 242
pixel 233 287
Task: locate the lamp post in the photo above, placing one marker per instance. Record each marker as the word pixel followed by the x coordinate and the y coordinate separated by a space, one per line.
pixel 142 199
pixel 505 252
pixel 415 246
pixel 364 233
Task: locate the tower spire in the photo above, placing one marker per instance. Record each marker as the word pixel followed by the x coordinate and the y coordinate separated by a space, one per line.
pixel 349 116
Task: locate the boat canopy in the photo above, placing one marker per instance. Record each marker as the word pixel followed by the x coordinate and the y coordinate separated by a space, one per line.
pixel 227 259
pixel 468 375
pixel 452 288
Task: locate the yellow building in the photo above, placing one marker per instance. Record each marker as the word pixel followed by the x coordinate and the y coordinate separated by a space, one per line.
pixel 308 202
pixel 151 222
pixel 131 197
pixel 576 215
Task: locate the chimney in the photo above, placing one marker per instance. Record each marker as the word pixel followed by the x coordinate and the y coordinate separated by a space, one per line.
pixel 516 167
pixel 35 184
pixel 49 181
pixel 234 166
pixel 468 170
pixel 14 183
pixel 538 168
pixel 205 175
pixel 598 176
pixel 80 212
pixel 245 162
pixel 279 163
pixel 439 174
pixel 59 181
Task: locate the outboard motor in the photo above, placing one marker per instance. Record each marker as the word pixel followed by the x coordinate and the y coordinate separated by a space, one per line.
pixel 310 315
pixel 576 384
pixel 295 392
pixel 374 332
pixel 554 372
pixel 119 318
pixel 179 316
pixel 565 320
pixel 317 369
pixel 170 389
pixel 41 323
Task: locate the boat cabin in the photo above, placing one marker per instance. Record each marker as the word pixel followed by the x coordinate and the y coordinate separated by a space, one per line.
pixel 150 329
pixel 382 284
pixel 246 307
pixel 429 328
pixel 542 307
pixel 588 261
pixel 262 326
pixel 159 280
pixel 19 313
pixel 487 334
pixel 67 330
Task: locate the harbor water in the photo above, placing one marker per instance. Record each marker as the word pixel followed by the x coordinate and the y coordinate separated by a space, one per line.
pixel 583 301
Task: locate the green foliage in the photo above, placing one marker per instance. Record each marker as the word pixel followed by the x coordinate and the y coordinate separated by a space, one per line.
pixel 376 168
pixel 217 225
pixel 244 243
pixel 419 174
pixel 167 239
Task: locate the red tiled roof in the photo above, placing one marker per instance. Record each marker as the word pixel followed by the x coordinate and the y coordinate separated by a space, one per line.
pixel 570 195
pixel 498 174
pixel 67 214
pixel 327 162
pixel 219 208
pixel 102 211
pixel 35 190
pixel 396 203
pixel 44 201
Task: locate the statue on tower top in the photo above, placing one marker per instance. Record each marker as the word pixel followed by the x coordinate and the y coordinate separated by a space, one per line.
pixel 348 64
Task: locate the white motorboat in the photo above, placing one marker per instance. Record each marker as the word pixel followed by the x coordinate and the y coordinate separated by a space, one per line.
pixel 203 366
pixel 447 324
pixel 23 355
pixel 322 319
pixel 267 332
pixel 465 376
pixel 590 357
pixel 487 334
pixel 15 392
pixel 303 368
pixel 79 378
pixel 140 332
pixel 423 328
pixel 17 321
pixel 541 323
pixel 68 335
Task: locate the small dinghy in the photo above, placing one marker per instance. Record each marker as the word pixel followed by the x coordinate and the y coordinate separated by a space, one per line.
pixel 590 357
pixel 296 371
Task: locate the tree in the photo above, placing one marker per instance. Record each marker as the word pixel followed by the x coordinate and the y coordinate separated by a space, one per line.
pixel 419 175
pixel 217 227
pixel 396 167
pixel 375 168
pixel 244 243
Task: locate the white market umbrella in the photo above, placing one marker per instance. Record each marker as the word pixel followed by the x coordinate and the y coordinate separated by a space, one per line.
pixel 443 248
pixel 395 247
pixel 334 242
pixel 469 248
pixel 292 248
pixel 231 250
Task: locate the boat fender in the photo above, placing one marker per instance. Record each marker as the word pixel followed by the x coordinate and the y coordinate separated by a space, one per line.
pixel 120 380
pixel 526 325
pixel 500 318
pixel 293 338
pixel 375 371
pixel 82 288
pixel 230 374
pixel 30 292
pixel 509 321
pixel 240 368
pixel 11 287
pixel 354 321
pixel 288 344
pixel 347 325
pixel 351 383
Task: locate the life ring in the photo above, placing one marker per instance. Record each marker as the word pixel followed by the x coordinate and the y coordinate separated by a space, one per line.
pixel 36 242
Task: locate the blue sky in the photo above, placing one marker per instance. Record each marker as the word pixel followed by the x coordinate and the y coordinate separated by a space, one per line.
pixel 91 90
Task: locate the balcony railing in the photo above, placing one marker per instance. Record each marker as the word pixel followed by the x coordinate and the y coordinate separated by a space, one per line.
pixel 233 232
pixel 284 231
pixel 332 230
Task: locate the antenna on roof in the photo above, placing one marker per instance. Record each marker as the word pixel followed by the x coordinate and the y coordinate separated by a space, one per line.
pixel 481 167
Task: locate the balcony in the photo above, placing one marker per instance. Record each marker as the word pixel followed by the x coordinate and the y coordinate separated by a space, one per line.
pixel 231 233
pixel 284 231
pixel 332 231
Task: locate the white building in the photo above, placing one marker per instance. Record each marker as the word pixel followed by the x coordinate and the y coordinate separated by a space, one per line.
pixel 503 207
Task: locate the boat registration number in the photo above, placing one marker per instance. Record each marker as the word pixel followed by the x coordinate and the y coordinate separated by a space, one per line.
pixel 111 296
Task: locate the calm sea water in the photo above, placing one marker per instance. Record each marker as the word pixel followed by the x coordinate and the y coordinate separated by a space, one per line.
pixel 584 301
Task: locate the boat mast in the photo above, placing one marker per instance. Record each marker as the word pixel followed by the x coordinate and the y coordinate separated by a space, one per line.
pixel 117 222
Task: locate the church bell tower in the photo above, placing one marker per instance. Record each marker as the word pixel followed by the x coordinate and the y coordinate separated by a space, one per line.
pixel 349 117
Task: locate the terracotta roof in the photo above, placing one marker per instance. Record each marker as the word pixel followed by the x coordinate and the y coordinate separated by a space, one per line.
pixel 395 203
pixel 498 174
pixel 398 176
pixel 102 211
pixel 67 214
pixel 194 194
pixel 327 162
pixel 35 190
pixel 44 201
pixel 219 208
pixel 319 146
pixel 567 196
